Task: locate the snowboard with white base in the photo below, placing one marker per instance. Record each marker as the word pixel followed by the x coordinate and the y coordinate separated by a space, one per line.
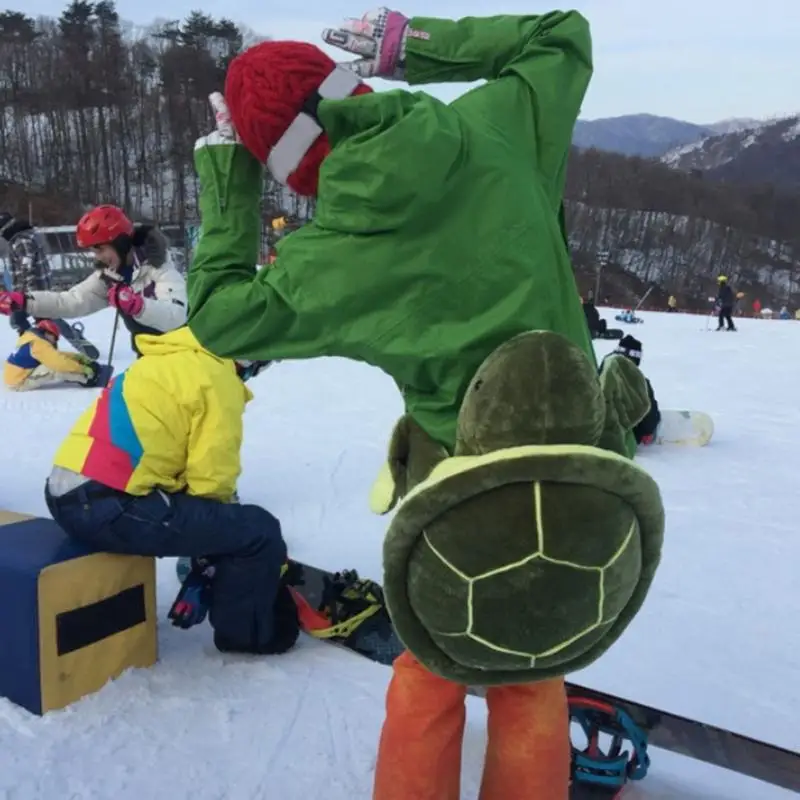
pixel 688 428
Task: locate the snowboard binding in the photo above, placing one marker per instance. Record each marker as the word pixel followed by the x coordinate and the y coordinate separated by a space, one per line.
pixel 611 765
pixel 350 610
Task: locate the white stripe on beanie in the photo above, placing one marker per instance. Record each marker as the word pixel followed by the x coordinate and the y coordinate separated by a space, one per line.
pixel 291 148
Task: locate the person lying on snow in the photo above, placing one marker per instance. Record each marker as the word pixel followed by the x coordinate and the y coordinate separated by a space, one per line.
pixel 133 275
pixel 36 361
pixel 645 430
pixel 150 469
pixel 628 315
pixel 505 410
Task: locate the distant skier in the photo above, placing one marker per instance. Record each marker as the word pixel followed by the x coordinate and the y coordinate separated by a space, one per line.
pixel 672 304
pixel 36 361
pixel 725 302
pixel 645 431
pixel 29 269
pixel 150 469
pixel 133 275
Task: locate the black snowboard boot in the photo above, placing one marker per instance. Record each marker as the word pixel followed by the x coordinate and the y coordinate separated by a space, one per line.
pixel 285 632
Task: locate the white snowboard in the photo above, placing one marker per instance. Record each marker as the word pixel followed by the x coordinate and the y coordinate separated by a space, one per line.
pixel 690 428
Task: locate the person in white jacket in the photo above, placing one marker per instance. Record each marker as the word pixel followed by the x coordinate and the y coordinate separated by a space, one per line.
pixel 134 275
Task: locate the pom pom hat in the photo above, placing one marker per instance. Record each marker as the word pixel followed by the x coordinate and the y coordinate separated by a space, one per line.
pixel 272 91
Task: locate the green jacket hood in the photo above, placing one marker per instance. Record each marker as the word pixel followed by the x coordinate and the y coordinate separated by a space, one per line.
pixel 370 181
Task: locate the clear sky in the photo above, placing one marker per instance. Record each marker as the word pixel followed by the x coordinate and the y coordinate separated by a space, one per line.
pixel 698 60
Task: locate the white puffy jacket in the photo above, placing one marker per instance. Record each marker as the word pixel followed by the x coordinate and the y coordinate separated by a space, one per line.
pixel 156 278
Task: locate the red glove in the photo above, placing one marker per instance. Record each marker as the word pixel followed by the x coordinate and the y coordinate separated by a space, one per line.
pixel 128 301
pixel 648 439
pixel 11 301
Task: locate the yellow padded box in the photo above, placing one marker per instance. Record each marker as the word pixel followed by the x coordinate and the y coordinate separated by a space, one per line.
pixel 71 618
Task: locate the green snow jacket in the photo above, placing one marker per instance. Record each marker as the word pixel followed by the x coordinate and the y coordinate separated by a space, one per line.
pixel 438 232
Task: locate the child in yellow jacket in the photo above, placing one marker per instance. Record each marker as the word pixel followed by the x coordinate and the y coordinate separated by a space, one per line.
pixel 150 469
pixel 36 362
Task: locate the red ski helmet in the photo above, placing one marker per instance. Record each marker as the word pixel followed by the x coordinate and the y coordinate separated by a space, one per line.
pixel 272 91
pixel 102 225
pixel 48 326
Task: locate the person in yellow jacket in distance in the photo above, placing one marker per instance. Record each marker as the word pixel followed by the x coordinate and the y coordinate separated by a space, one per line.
pixel 36 360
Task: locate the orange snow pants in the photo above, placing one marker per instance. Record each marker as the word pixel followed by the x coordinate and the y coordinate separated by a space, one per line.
pixel 419 757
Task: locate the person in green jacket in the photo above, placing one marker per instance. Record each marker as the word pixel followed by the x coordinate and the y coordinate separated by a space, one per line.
pixel 438 237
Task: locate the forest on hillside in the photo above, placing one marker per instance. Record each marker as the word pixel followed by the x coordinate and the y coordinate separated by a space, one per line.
pixel 96 110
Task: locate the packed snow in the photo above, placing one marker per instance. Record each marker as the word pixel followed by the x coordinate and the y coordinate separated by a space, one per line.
pixel 716 640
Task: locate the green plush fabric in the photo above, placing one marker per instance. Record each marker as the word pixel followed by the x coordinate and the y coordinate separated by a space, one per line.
pixel 510 400
pixel 412 455
pixel 526 555
pixel 624 388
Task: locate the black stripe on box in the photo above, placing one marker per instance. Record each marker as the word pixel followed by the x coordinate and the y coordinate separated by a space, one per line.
pixel 83 626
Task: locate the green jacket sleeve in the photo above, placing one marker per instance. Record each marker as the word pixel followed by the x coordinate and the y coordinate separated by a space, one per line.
pixel 236 310
pixel 538 68
pixel 222 284
pixel 230 212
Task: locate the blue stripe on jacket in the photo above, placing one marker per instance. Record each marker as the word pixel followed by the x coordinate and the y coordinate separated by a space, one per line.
pixel 23 358
pixel 123 433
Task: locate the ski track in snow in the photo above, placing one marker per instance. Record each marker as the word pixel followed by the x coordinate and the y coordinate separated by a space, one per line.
pixel 716 640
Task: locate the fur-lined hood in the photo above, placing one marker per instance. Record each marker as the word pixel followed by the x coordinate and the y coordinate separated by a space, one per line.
pixel 151 245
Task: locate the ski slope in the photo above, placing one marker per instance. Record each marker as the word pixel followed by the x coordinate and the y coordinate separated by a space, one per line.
pixel 718 638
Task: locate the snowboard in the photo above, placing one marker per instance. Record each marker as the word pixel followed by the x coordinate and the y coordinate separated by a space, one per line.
pixel 634 321
pixel 41 280
pixel 687 428
pixel 609 333
pixel 73 333
pixel 374 638
pixel 681 735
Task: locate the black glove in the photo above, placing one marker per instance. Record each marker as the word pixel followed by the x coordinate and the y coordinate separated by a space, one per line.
pixel 93 369
pixel 19 321
pixel 194 597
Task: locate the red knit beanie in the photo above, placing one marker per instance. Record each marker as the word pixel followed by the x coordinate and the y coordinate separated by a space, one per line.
pixel 265 89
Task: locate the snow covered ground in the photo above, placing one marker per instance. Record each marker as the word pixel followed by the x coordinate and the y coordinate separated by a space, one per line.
pixel 718 638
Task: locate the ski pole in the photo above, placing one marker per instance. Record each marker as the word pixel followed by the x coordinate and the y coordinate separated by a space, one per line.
pixel 137 264
pixel 113 338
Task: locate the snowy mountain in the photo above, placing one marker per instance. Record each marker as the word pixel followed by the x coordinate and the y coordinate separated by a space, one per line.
pixel 637 134
pixel 648 135
pixel 732 125
pixel 768 152
pixel 712 641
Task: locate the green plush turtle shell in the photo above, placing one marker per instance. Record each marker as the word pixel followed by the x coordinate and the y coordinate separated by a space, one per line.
pixel 543 590
pixel 516 604
pixel 526 554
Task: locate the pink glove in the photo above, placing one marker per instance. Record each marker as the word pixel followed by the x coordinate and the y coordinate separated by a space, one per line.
pixel 11 301
pixel 379 39
pixel 129 302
